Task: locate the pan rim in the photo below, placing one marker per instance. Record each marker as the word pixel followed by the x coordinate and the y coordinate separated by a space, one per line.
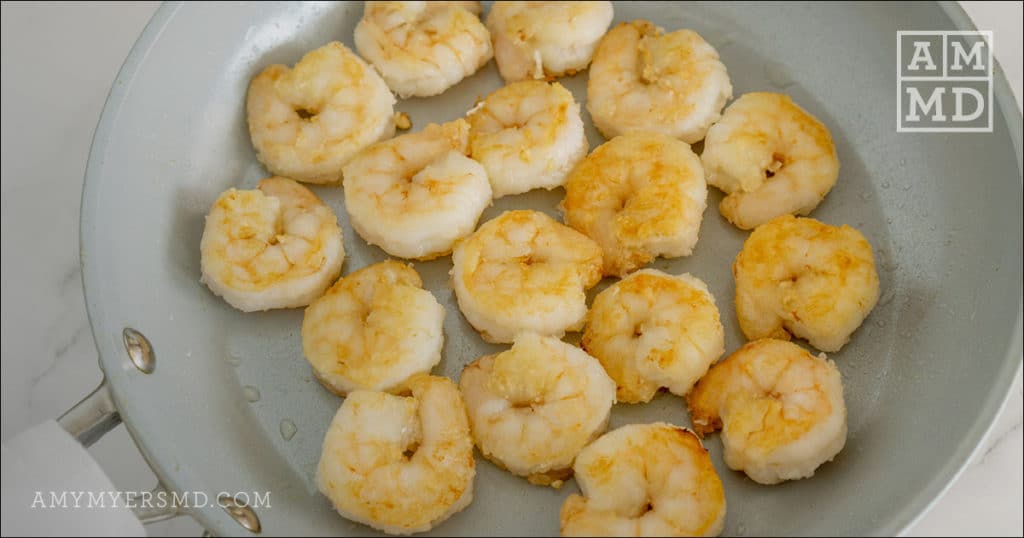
pixel 909 514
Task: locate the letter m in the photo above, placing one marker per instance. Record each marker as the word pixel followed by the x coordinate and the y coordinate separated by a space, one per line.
pixel 918 103
pixel 975 55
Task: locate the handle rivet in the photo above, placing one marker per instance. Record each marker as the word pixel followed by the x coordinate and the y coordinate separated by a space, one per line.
pixel 241 513
pixel 139 350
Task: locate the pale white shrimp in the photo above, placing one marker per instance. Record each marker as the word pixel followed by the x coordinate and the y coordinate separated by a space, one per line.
pixel 546 39
pixel 780 409
pixel 373 329
pixel 770 157
pixel 639 196
pixel 797 275
pixel 423 48
pixel 416 194
pixel 400 464
pixel 645 480
pixel 653 330
pixel 307 122
pixel 523 271
pixel 534 407
pixel 276 246
pixel 643 79
pixel 527 135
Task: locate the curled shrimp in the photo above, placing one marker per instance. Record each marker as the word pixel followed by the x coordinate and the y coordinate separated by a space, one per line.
pixel 534 407
pixel 400 464
pixel 307 122
pixel 276 246
pixel 643 79
pixel 770 157
pixel 780 409
pixel 527 135
pixel 535 40
pixel 653 330
pixel 416 194
pixel 802 277
pixel 523 271
pixel 373 329
pixel 639 196
pixel 645 480
pixel 423 48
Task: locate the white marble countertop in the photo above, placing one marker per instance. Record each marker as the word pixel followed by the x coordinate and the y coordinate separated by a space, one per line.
pixel 58 62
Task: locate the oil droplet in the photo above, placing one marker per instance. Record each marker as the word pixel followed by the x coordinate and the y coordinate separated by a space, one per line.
pixel 906 187
pixel 901 205
pixel 234 360
pixel 865 196
pixel 886 184
pixel 287 429
pixel 741 530
pixel 880 323
pixel 724 41
pixel 776 74
pixel 887 297
pixel 252 394
pixel 903 162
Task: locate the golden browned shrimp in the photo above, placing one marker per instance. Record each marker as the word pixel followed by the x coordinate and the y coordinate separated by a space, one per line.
pixel 423 48
pixel 523 271
pixel 653 330
pixel 800 276
pixel 645 80
pixel 780 409
pixel 307 122
pixel 639 196
pixel 534 407
pixel 374 329
pixel 401 464
pixel 645 480
pixel 535 40
pixel 770 157
pixel 276 246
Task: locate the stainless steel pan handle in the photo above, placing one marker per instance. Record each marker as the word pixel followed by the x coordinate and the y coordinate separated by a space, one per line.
pixel 91 419
pixel 96 414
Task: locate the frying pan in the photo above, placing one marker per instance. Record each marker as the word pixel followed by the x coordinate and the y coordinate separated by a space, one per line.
pixel 924 376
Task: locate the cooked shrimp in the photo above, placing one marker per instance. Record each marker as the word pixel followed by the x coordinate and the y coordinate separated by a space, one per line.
pixel 653 330
pixel 639 196
pixel 645 480
pixel 770 157
pixel 522 271
pixel 374 329
pixel 416 194
pixel 527 135
pixel 534 407
pixel 800 276
pixel 307 122
pixel 423 48
pixel 546 39
pixel 400 464
pixel 276 246
pixel 780 409
pixel 643 79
